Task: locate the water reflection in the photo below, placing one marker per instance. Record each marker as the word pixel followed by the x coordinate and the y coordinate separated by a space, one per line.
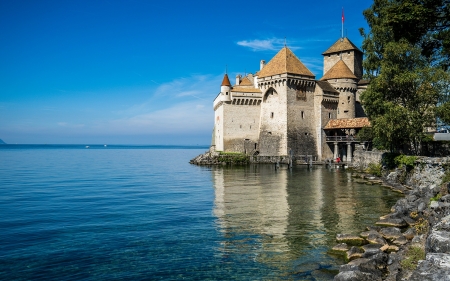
pixel 288 219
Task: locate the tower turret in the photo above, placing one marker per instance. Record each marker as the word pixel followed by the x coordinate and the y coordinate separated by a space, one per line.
pixel 345 82
pixel 225 88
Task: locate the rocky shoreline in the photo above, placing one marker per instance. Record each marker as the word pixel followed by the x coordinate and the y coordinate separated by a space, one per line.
pixel 413 241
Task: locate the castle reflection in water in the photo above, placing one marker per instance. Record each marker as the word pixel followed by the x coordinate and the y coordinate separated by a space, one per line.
pixel 289 218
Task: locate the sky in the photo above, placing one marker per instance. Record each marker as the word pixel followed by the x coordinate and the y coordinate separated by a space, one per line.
pixel 144 71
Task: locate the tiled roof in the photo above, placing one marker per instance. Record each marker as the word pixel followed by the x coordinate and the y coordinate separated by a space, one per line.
pixel 348 123
pixel 339 70
pixel 245 82
pixel 284 62
pixel 324 85
pixel 343 44
pixel 226 81
pixel 245 90
pixel 363 82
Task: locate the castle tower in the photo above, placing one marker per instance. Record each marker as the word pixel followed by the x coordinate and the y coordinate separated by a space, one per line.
pixel 287 108
pixel 225 88
pixel 345 82
pixel 344 49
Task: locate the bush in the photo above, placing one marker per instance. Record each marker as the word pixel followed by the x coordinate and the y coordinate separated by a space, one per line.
pixel 446 177
pixel 374 169
pixel 404 160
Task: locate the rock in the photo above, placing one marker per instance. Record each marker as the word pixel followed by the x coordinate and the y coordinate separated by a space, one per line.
pixel 443 225
pixel 354 253
pixel 340 248
pixel 356 276
pixel 392 248
pixel 376 238
pixel 350 239
pixel 434 204
pixel 390 233
pixel 435 267
pixel 438 242
pixel 410 233
pixel 400 241
pixel 363 265
pixel 422 206
pixel 392 222
pixel 371 249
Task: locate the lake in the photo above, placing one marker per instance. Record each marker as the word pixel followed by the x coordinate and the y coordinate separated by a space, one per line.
pixel 145 213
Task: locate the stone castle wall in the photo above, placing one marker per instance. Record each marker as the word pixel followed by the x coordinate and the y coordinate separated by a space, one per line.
pixel 241 127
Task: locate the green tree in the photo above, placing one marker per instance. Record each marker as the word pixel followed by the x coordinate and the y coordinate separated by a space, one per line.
pixel 408 75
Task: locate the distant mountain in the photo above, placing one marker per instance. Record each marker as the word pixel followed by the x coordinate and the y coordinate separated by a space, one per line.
pixel 2 142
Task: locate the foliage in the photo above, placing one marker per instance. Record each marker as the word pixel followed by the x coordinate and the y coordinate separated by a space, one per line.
pixel 405 160
pixel 233 158
pixel 406 60
pixel 374 169
pixel 365 134
pixel 436 198
pixel 421 226
pixel 413 256
pixel 389 160
pixel 443 112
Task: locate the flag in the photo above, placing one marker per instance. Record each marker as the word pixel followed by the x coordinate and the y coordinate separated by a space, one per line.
pixel 343 18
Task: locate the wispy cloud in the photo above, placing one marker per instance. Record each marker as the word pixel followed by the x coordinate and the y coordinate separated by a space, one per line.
pixel 271 44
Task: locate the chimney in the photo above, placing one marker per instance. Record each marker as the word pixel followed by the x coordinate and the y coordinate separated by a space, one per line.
pixel 261 64
pixel 238 79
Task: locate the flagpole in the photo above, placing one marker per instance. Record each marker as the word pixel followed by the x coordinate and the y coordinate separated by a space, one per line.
pixel 343 22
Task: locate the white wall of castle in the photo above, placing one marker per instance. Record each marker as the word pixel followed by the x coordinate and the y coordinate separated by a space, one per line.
pixel 273 129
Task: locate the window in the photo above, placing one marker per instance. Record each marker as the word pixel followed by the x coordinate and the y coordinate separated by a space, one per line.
pixel 329 115
pixel 271 115
pixel 303 115
pixel 345 111
pixel 227 93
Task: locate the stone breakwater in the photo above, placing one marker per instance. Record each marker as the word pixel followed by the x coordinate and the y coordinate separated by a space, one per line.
pixel 413 241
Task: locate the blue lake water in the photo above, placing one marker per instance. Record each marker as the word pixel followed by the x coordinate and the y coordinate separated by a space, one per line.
pixel 145 213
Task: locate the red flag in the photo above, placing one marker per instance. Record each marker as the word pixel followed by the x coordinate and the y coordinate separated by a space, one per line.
pixel 343 18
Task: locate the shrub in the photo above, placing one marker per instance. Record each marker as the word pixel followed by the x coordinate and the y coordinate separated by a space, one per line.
pixel 374 169
pixel 446 177
pixel 404 160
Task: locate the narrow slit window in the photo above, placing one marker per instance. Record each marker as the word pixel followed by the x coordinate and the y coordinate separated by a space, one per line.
pixel 271 115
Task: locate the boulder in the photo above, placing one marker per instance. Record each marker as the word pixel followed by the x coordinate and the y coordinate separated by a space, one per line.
pixel 340 248
pixel 376 238
pixel 356 276
pixel 371 249
pixel 365 265
pixel 410 233
pixel 350 239
pixel 438 242
pixel 392 222
pixel 400 241
pixel 390 233
pixel 435 267
pixel 354 253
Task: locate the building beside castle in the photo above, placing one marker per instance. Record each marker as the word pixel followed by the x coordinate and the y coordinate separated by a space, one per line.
pixel 282 110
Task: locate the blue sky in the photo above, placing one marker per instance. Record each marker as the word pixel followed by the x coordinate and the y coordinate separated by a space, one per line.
pixel 145 72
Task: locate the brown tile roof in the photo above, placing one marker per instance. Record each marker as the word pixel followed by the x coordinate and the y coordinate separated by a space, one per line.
pixel 245 82
pixel 363 82
pixel 343 44
pixel 324 85
pixel 226 81
pixel 339 70
pixel 284 61
pixel 245 90
pixel 348 123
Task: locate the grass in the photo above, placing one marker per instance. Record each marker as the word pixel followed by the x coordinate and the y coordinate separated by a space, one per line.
pixel 374 169
pixel 413 256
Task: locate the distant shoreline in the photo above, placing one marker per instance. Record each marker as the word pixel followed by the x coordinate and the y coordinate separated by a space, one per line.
pixel 104 146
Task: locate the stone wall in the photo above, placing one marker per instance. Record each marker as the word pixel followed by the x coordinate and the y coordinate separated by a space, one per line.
pixel 362 158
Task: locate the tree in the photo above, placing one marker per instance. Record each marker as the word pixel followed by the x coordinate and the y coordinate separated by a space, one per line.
pixel 406 61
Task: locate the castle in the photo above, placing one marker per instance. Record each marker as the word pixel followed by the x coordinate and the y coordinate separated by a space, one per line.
pixel 283 111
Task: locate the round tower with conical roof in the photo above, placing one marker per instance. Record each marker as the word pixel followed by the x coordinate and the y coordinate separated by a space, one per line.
pixel 345 82
pixel 225 88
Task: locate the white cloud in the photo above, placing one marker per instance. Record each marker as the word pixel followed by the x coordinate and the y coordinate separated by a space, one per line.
pixel 262 45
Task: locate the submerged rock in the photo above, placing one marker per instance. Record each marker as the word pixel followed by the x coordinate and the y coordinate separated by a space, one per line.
pixel 350 239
